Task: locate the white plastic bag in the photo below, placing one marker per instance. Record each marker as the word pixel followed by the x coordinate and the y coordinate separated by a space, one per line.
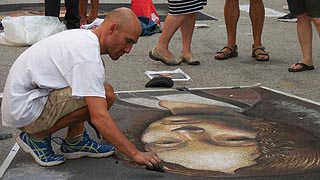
pixel 96 23
pixel 27 30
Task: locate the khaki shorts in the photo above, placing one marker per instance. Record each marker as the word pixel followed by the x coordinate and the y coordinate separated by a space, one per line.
pixel 60 103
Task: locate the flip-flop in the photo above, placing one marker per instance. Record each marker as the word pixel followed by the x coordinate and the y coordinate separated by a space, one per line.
pixel 304 67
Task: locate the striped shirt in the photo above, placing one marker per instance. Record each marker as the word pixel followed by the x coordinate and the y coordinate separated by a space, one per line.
pixel 177 7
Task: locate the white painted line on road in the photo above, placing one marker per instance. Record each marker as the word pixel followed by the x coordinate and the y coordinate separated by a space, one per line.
pixel 201 25
pixel 174 89
pixel 153 90
pixel 9 159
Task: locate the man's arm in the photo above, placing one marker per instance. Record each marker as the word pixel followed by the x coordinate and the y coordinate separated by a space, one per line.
pixel 105 124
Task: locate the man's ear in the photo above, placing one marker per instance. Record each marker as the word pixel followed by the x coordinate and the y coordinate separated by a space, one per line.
pixel 113 28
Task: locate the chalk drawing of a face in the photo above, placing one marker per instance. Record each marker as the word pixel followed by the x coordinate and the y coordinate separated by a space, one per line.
pixel 204 137
pixel 202 143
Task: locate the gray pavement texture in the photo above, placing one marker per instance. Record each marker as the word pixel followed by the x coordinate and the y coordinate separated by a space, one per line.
pixel 127 74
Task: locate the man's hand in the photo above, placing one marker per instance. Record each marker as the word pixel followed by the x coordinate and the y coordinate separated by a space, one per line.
pixel 149 159
pixel 102 120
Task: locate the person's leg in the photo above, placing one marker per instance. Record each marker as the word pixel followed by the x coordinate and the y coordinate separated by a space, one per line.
pixel 52 8
pixel 93 11
pixel 171 25
pixel 78 143
pixel 74 120
pixel 231 17
pixel 257 14
pixel 83 5
pixel 72 14
pixel 36 138
pixel 316 22
pixel 313 7
pixel 299 8
pixel 304 30
pixel 187 28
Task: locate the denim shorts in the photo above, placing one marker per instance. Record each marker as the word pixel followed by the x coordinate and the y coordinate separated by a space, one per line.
pixel 311 7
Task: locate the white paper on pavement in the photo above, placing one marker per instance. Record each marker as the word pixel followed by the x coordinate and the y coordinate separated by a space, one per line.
pixel 176 75
pixel 198 26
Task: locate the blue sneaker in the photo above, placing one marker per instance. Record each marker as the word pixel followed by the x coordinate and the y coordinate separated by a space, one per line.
pixel 41 150
pixel 85 148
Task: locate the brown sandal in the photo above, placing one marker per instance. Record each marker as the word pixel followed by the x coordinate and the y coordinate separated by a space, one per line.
pixel 226 54
pixel 263 52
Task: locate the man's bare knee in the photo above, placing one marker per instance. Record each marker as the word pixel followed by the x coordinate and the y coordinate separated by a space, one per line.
pixel 110 96
pixel 303 17
pixel 316 22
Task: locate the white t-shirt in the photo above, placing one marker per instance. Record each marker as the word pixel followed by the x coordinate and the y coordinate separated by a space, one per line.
pixel 70 58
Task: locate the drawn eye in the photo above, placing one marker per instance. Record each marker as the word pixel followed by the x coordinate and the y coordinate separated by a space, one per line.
pixel 168 144
pixel 234 140
pixel 237 139
pixel 192 129
pixel 180 122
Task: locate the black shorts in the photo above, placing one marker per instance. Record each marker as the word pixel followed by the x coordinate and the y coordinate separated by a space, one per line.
pixel 311 7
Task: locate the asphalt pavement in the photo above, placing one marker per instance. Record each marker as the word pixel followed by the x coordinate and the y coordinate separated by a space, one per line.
pixel 127 74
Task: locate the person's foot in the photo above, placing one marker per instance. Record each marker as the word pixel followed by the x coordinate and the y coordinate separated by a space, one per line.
pixel 190 60
pixel 83 20
pixel 300 66
pixel 86 147
pixel 165 53
pixel 259 53
pixel 288 18
pixel 40 150
pixel 92 17
pixel 166 58
pixel 227 52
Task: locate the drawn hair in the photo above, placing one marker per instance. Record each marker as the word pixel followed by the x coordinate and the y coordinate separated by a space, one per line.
pixel 285 148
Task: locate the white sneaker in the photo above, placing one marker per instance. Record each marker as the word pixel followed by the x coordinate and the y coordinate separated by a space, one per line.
pixel 288 18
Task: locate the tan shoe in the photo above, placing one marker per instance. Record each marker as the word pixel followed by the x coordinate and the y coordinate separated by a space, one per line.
pixel 258 52
pixel 190 60
pixel 227 52
pixel 153 54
